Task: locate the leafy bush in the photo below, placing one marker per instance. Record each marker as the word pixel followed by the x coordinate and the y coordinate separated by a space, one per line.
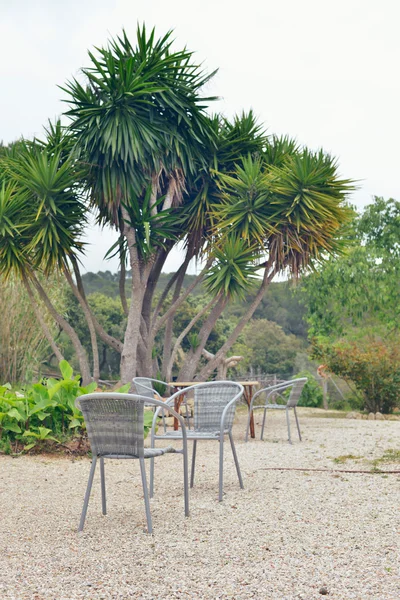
pixel 311 394
pixel 372 364
pixel 46 411
pixel 23 415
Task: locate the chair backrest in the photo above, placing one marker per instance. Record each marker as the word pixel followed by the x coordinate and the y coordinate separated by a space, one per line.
pixel 145 386
pixel 295 393
pixel 114 423
pixel 210 400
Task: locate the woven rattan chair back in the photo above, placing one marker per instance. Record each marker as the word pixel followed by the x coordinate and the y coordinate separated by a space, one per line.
pixel 144 386
pixel 114 426
pixel 210 401
pixel 295 393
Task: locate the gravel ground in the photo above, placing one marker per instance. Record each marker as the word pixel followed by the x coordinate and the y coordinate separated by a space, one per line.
pixel 285 536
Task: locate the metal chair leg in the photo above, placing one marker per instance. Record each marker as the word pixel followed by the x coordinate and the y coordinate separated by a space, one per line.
pixel 248 425
pixel 151 477
pixel 87 494
pixel 297 422
pixel 185 478
pixel 193 463
pixel 235 458
pixel 146 495
pixel 221 466
pixel 263 424
pixel 288 424
pixel 103 486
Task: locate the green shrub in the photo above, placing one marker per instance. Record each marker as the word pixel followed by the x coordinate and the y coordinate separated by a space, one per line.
pixel 311 394
pixel 44 410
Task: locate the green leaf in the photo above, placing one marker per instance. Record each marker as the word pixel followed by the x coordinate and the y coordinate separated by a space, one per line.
pixel 66 369
pixel 29 446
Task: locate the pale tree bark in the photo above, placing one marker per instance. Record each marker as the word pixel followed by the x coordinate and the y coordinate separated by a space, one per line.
pixel 122 280
pixel 103 335
pixel 169 324
pixel 41 320
pixel 129 351
pixel 89 321
pixel 140 274
pixel 224 364
pixel 145 362
pixel 206 308
pixel 69 330
pixel 189 367
pixel 206 371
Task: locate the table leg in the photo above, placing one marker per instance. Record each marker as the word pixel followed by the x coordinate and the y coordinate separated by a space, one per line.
pixel 177 404
pixel 248 394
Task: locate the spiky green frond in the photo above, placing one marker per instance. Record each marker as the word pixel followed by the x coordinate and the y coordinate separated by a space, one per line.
pixel 14 207
pixel 139 113
pixel 294 212
pixel 53 216
pixel 234 269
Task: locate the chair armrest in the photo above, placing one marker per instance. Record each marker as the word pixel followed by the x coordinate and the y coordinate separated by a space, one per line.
pixel 165 406
pixel 227 407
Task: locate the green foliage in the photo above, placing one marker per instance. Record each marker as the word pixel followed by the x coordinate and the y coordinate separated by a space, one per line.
pixel 139 113
pixel 234 270
pixel 353 308
pixel 267 348
pixel 311 394
pixel 294 212
pixel 371 363
pixel 361 289
pixel 42 215
pixel 52 401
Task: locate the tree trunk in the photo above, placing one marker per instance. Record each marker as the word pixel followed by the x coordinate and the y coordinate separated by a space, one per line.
pixel 167 346
pixel 69 330
pixel 140 274
pixel 122 293
pixel 145 364
pixel 213 363
pixel 189 367
pixel 42 322
pixel 131 340
pixel 89 321
pixel 168 373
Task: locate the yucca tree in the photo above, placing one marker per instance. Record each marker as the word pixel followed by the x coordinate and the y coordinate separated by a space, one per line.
pixel 139 123
pixel 41 223
pixel 143 153
pixel 290 213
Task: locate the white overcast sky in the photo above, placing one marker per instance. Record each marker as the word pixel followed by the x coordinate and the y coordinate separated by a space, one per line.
pixel 324 72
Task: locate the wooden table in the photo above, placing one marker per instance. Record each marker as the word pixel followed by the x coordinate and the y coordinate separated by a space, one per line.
pixel 247 394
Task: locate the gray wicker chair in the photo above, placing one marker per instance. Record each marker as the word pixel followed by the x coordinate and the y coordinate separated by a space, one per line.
pixel 274 392
pixel 145 386
pixel 213 414
pixel 115 429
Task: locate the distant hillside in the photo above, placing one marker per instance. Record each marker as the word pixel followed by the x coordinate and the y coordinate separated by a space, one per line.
pixel 280 304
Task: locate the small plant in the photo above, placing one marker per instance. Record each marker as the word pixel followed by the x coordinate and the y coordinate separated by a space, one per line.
pixel 40 435
pixel 340 460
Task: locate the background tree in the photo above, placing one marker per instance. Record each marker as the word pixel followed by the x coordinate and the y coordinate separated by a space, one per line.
pixel 353 307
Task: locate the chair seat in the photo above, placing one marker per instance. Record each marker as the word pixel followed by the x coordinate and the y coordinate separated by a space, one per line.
pixel 148 453
pixel 192 434
pixel 278 406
